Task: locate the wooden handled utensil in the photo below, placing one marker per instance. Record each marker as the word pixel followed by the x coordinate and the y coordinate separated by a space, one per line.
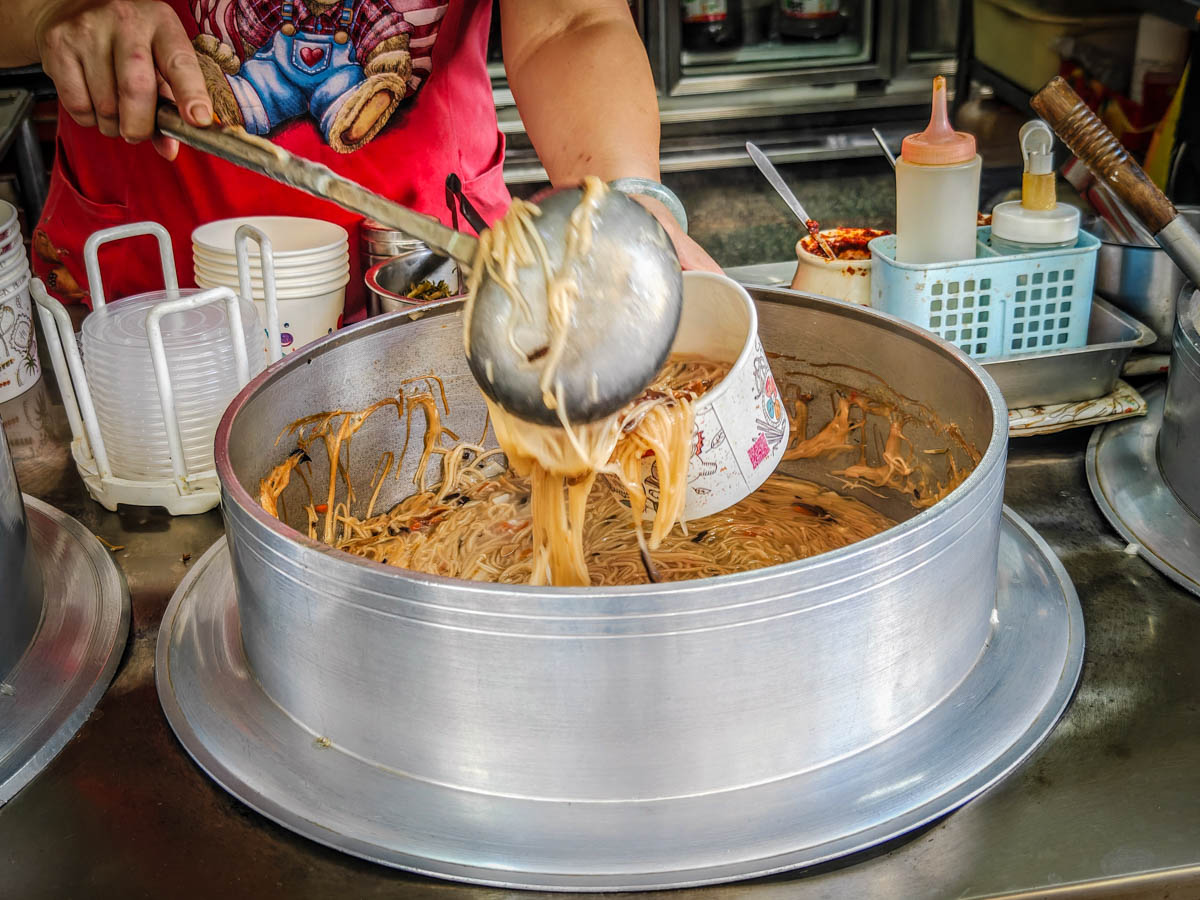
pixel 1098 148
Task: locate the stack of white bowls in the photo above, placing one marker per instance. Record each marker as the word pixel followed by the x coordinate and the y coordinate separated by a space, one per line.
pixel 312 269
pixel 200 359
pixel 19 366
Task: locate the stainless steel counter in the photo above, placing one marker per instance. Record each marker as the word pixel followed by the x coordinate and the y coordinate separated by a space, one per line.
pixel 1109 806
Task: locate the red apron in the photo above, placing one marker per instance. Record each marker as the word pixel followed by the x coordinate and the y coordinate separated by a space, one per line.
pixel 447 123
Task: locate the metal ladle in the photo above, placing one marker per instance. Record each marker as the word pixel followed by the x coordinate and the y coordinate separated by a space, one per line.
pixel 623 322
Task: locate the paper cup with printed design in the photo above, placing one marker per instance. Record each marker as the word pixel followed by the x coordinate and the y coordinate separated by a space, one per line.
pixel 741 428
pixel 14 265
pixel 305 314
pixel 293 239
pixel 293 276
pixel 302 321
pixel 20 368
pixel 10 231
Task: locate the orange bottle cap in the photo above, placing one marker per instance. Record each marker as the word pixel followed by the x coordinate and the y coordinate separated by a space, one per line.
pixel 938 144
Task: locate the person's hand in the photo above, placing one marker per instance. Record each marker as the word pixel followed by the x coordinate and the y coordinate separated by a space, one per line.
pixel 110 60
pixel 692 257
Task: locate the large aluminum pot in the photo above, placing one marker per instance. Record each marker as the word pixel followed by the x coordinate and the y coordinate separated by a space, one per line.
pixel 616 694
pixel 1179 438
pixel 1142 281
pixel 20 577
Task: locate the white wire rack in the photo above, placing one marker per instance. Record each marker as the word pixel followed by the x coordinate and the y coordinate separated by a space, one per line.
pixel 188 492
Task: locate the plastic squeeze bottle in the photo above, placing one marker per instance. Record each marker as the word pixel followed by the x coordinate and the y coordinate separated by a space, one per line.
pixel 937 190
pixel 1037 221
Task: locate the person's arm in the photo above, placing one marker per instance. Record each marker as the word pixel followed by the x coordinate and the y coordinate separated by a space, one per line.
pixel 109 60
pixel 583 86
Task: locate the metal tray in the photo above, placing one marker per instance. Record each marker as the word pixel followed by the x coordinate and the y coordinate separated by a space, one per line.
pixel 1126 478
pixel 1084 373
pixel 1030 379
pixel 980 732
pixel 72 657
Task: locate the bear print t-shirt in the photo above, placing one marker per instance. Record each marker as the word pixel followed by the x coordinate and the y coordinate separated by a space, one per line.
pixel 391 93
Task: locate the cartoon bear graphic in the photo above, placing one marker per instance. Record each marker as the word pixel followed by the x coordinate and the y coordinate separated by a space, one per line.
pixel 346 63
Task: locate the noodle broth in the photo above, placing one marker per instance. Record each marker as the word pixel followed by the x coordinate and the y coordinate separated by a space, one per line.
pixel 478 521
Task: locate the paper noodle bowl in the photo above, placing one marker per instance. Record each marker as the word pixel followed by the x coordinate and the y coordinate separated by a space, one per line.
pixel 741 428
pixel 20 368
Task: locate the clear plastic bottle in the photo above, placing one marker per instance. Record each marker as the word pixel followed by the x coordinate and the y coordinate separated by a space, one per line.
pixel 937 190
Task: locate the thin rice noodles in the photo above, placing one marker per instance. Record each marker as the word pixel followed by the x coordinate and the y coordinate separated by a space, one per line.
pixel 481 521
pixel 561 464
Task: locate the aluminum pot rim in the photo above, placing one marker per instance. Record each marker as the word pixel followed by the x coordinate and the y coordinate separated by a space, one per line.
pixel 1186 305
pixel 1187 312
pixel 336 561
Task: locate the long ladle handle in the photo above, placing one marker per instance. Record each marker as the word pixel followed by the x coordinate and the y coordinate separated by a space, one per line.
pixel 236 146
pixel 1098 148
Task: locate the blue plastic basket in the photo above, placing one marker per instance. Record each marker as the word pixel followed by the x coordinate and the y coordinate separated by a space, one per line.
pixel 993 305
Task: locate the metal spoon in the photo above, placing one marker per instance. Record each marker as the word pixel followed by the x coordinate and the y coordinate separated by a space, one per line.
pixel 623 322
pixel 884 147
pixel 776 180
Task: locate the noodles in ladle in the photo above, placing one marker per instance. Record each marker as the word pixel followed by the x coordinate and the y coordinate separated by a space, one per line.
pixel 562 464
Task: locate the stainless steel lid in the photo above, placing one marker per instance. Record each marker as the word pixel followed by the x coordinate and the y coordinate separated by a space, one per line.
pixel 20 577
pixel 1179 439
pixel 384 241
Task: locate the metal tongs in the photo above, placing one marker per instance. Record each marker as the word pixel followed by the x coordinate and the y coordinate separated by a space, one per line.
pixel 1098 148
pixel 624 319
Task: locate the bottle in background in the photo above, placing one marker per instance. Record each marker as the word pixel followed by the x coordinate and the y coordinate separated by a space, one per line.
pixel 937 190
pixel 810 19
pixel 712 24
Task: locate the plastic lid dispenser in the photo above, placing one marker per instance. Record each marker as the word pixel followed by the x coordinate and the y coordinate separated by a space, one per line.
pixel 1037 218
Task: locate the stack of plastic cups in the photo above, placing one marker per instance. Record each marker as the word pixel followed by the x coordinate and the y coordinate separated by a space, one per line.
pixel 19 366
pixel 312 269
pixel 200 359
